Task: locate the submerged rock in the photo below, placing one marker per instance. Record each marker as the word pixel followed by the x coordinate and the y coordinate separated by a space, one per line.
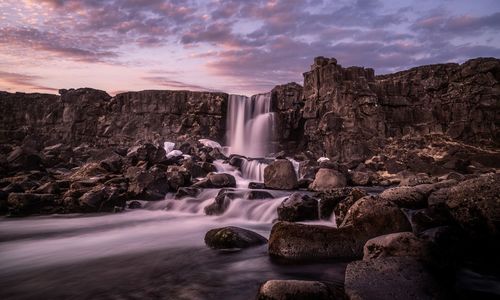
pixel 390 278
pixel 298 207
pixel 280 175
pixel 216 180
pixel 294 289
pixel 233 237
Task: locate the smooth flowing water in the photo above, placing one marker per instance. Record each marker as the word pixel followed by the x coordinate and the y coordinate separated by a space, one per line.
pixel 152 253
pixel 158 252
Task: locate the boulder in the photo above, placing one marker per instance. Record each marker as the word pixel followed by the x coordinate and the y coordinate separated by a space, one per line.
pixel 360 178
pixel 408 197
pixel 134 205
pixel 396 244
pixel 148 153
pixel 177 176
pixel 298 207
pixel 216 180
pixel 390 278
pixel 294 289
pixel 149 184
pixel 475 205
pixel 376 216
pixel 233 237
pixel 220 203
pixel 338 202
pixel 187 192
pixel 256 185
pixel 280 175
pixel 25 204
pixel 257 195
pixel 328 179
pixel 102 198
pixel 367 218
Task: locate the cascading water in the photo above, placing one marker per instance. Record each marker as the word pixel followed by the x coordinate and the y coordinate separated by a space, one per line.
pixel 250 125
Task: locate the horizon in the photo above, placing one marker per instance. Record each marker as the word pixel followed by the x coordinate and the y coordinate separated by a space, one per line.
pixel 233 46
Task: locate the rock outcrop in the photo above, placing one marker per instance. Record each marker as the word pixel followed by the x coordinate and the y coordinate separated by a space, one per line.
pixel 94 117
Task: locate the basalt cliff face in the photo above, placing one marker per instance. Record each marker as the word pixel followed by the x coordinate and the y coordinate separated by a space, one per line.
pixel 347 114
pixel 95 118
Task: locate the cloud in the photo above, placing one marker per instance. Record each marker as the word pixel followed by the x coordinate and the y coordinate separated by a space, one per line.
pixel 37 40
pixel 15 81
pixel 166 82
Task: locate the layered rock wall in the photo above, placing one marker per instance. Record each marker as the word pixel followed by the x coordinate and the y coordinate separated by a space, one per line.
pixel 348 113
pixel 93 117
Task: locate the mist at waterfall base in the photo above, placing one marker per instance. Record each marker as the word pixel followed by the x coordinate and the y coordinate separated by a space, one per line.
pixel 158 252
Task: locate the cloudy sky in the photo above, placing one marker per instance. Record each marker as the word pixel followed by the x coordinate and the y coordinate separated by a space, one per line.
pixel 236 46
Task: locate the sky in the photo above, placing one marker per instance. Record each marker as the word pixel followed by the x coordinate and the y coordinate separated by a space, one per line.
pixel 235 46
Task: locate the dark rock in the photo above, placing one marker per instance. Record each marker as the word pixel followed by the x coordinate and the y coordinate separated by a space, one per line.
pixel 360 178
pixel 23 160
pixel 257 195
pixel 369 217
pixel 101 198
pixel 149 184
pixel 390 278
pixel 280 174
pixel 25 204
pixel 426 218
pixel 177 176
pixel 396 244
pixel 236 160
pixel 216 180
pixel 233 237
pixel 338 202
pixel 48 188
pixel 328 179
pixel 148 153
pixel 294 289
pixel 256 185
pixel 187 192
pixel 475 205
pixel 134 205
pixel 221 202
pixel 298 207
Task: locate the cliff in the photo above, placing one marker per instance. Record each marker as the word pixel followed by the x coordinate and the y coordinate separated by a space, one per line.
pixel 94 117
pixel 347 114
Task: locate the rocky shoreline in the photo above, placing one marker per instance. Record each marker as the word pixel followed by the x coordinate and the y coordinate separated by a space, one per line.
pixel 425 139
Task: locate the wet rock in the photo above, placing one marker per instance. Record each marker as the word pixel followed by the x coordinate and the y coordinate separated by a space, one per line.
pixel 149 184
pixel 360 178
pixel 328 179
pixel 396 244
pixel 48 188
pixel 338 202
pixel 25 204
pixel 220 203
pixel 298 207
pixel 148 153
pixel 390 278
pixel 280 174
pixel 236 160
pixel 134 205
pixel 102 198
pixel 294 289
pixel 408 197
pixel 21 159
pixel 217 180
pixel 376 216
pixel 187 192
pixel 369 217
pixel 426 218
pixel 177 176
pixel 256 195
pixel 256 185
pixel 475 205
pixel 232 237
pixel 300 242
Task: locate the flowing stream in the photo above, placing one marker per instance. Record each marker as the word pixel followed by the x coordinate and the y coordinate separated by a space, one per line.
pixel 157 252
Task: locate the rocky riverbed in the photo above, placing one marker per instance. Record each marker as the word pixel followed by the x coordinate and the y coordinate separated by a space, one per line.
pixel 350 199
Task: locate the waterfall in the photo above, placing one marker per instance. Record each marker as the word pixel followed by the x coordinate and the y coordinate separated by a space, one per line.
pixel 250 125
